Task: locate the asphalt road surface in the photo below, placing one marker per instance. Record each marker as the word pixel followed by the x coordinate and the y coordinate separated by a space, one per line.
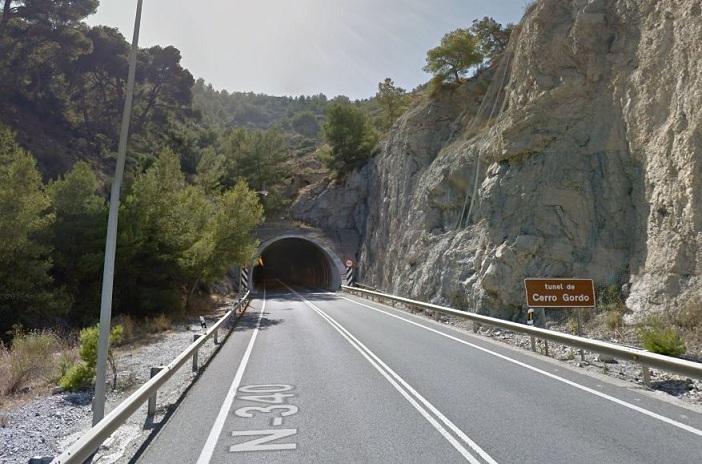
pixel 317 377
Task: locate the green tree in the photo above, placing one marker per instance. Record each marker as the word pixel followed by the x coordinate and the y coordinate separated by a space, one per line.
pixel 258 157
pixel 78 239
pixel 226 237
pixel 305 123
pixel 349 135
pixel 26 296
pixel 176 235
pixel 492 36
pixel 392 99
pixel 53 12
pixel 160 220
pixel 458 52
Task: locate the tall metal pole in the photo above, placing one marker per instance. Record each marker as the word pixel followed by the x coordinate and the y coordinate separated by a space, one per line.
pixel 111 241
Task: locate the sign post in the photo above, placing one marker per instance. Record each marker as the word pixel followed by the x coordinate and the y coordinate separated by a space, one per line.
pixel 111 240
pixel 350 274
pixel 561 293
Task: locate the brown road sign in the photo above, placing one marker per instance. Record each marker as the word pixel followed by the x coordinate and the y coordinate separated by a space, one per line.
pixel 560 293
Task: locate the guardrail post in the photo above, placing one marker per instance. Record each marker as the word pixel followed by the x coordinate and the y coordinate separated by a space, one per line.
pixel 195 338
pixel 151 409
pixel 646 375
pixel 216 339
pixel 545 347
pixel 41 460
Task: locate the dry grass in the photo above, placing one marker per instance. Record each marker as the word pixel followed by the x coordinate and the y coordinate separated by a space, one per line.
pixel 158 324
pixel 129 327
pixel 614 320
pixel 29 362
pixel 134 331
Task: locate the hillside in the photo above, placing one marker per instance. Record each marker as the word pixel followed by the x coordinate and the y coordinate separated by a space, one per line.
pixel 590 169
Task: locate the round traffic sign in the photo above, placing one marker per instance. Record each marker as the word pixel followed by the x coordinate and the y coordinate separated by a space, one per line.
pixel 349 263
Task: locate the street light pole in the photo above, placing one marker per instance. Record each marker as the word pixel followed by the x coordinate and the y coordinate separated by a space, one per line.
pixel 111 241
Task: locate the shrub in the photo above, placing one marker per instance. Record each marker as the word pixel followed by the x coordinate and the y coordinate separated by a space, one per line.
pixel 28 361
pixel 611 299
pixel 572 325
pixel 81 374
pixel 160 323
pixel 78 376
pixel 615 319
pixel 63 363
pixel 129 327
pixel 658 338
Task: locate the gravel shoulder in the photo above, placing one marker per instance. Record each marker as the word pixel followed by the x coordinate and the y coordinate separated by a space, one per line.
pixel 47 424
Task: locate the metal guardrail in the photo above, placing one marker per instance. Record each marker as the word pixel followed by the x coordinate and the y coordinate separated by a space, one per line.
pixel 364 286
pixel 83 449
pixel 643 357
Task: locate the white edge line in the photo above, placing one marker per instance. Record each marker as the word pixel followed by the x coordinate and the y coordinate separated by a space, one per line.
pixel 360 348
pixel 633 407
pixel 218 425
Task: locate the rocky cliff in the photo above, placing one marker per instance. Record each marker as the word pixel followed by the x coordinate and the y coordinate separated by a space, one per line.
pixel 592 168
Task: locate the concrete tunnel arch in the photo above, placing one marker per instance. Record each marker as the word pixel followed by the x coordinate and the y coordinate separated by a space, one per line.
pixel 298 260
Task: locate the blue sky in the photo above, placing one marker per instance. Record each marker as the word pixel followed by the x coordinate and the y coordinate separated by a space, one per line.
pixel 294 47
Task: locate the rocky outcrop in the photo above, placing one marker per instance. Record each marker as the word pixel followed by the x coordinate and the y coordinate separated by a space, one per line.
pixel 592 169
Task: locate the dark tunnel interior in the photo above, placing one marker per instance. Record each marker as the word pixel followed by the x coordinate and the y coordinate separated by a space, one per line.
pixel 295 261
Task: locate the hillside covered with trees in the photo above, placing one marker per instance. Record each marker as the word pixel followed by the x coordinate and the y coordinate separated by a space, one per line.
pixel 204 165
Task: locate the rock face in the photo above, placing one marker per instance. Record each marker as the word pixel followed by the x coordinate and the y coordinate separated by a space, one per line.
pixel 592 169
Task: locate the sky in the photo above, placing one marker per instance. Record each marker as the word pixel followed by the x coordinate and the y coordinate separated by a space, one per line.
pixel 303 47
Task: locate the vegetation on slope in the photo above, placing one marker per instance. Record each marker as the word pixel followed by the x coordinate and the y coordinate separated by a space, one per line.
pixel 200 162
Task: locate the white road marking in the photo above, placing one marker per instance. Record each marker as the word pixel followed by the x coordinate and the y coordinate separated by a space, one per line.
pixel 259 444
pixel 216 430
pixel 605 396
pixel 398 382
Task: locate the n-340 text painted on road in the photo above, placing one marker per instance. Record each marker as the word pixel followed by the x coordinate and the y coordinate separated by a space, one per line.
pixel 560 293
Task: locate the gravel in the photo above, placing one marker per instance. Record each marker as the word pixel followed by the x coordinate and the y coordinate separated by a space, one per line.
pixel 45 425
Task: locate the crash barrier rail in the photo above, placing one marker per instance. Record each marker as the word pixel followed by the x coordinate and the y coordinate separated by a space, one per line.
pixel 88 444
pixel 364 286
pixel 645 358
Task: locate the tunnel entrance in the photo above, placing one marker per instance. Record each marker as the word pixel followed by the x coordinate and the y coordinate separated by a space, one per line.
pixel 298 262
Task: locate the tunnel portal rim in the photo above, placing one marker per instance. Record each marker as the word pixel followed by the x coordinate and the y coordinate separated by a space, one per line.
pixel 333 258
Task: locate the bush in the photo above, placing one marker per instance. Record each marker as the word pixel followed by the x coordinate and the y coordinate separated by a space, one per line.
pixel 661 339
pixel 78 376
pixel 615 319
pixel 129 327
pixel 158 324
pixel 29 360
pixel 81 374
pixel 63 363
pixel 611 299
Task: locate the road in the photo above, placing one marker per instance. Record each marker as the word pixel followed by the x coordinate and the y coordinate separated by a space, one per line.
pixel 317 377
